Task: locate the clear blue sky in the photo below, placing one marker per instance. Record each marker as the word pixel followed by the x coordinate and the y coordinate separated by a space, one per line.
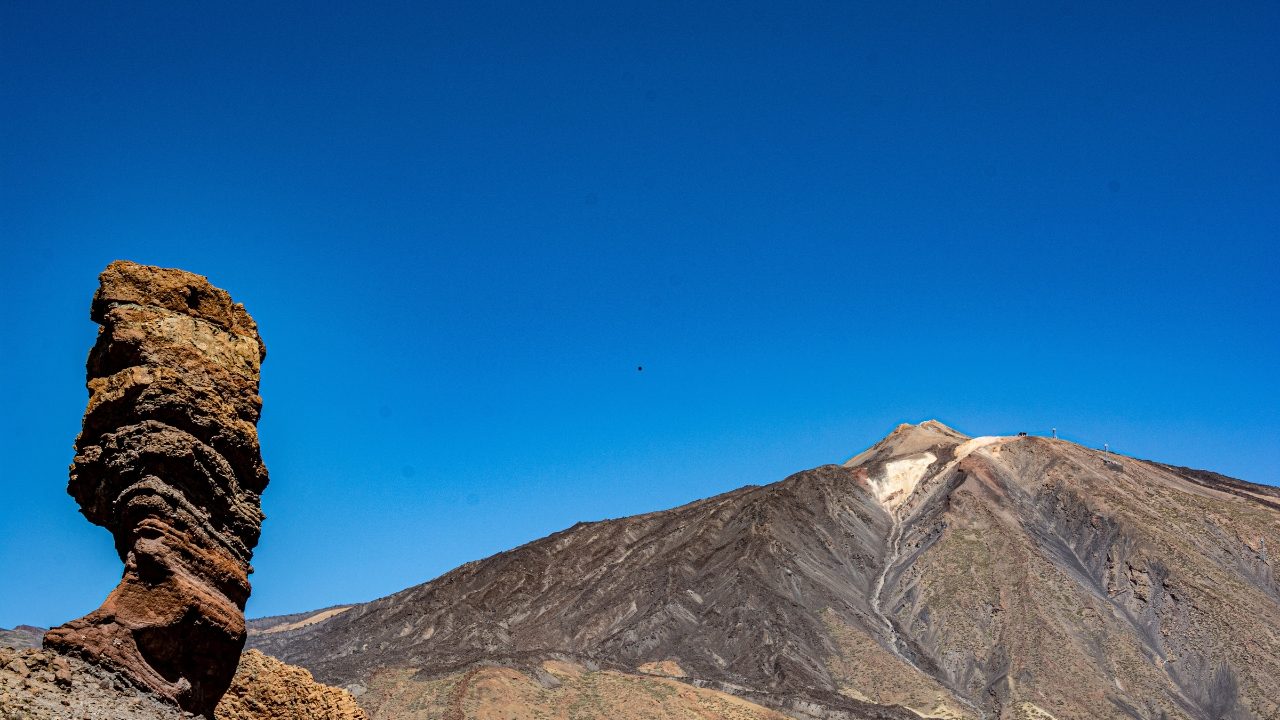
pixel 462 226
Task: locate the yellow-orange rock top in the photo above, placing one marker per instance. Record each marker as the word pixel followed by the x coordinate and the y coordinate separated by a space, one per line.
pixel 266 689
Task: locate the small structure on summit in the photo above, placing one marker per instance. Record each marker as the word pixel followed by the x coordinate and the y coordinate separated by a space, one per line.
pixel 168 461
pixel 1106 458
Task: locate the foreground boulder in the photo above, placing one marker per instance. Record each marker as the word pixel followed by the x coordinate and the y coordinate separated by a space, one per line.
pixel 168 461
pixel 267 689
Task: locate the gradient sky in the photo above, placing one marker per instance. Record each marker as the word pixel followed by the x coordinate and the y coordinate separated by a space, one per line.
pixel 462 226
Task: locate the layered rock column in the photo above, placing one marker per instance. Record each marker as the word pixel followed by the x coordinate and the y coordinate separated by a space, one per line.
pixel 168 461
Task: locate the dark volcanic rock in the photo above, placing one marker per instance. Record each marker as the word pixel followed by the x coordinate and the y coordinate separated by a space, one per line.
pixel 168 461
pixel 641 589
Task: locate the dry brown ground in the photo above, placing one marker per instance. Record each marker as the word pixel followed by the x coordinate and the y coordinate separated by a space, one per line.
pixel 566 692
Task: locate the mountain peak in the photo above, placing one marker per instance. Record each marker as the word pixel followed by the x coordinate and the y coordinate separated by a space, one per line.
pixel 929 429
pixel 908 439
pixel 938 425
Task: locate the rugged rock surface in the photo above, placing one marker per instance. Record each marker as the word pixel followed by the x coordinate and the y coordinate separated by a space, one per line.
pixel 266 689
pixel 168 461
pixel 932 575
pixel 43 685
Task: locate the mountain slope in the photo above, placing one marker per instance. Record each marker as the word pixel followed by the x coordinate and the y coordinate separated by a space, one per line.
pixel 21 637
pixel 932 575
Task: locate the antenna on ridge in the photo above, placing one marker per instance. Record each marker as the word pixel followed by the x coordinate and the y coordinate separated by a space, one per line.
pixel 1107 461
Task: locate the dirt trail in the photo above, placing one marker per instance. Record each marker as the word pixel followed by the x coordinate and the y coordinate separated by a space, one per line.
pixel 455 711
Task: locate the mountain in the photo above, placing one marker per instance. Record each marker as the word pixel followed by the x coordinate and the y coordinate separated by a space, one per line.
pixel 933 575
pixel 21 637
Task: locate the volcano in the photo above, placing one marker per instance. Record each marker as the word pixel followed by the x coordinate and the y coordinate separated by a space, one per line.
pixel 932 575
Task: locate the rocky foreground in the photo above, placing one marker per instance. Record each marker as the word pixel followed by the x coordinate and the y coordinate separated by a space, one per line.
pixel 266 689
pixel 38 684
pixel 44 685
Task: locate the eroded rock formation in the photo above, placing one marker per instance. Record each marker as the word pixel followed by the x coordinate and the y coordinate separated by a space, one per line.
pixel 168 461
pixel 267 689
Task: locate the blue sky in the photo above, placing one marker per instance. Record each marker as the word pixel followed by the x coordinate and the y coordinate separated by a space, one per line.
pixel 462 226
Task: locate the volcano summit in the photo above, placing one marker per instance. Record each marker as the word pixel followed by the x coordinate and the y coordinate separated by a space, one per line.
pixel 932 575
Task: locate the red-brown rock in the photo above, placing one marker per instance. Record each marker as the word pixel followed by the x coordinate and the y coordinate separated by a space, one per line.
pixel 168 461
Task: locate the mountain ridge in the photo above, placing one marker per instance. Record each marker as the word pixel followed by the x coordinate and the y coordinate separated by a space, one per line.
pixel 882 585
